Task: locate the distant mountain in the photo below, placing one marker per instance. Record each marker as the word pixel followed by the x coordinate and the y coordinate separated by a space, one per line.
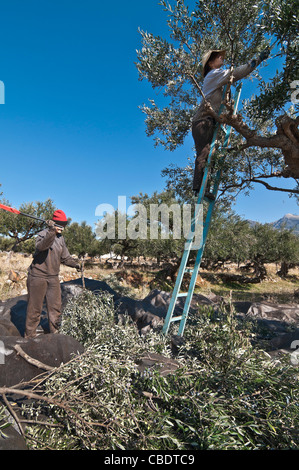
pixel 252 223
pixel 288 221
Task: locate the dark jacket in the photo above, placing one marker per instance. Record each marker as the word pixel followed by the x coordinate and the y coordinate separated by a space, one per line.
pixel 50 252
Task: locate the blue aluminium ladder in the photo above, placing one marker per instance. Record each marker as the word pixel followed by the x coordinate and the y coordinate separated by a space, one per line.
pixel 189 245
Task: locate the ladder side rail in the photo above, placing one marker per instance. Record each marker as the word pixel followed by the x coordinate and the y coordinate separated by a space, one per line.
pixel 206 170
pixel 182 270
pixel 186 253
pixel 196 269
pixel 179 279
pixel 212 149
pixel 176 289
pixel 236 105
pixel 206 229
pixel 227 137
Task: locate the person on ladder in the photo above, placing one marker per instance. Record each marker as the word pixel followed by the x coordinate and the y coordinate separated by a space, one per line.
pixel 203 124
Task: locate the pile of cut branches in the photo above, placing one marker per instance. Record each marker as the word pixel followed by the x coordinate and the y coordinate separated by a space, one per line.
pixel 226 394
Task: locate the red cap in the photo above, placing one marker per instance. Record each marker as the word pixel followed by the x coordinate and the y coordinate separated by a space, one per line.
pixel 59 217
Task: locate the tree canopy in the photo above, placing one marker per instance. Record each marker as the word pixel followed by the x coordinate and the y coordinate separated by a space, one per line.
pixel 266 142
pixel 20 228
pixel 81 240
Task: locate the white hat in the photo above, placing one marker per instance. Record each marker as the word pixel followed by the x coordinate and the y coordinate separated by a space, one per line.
pixel 207 55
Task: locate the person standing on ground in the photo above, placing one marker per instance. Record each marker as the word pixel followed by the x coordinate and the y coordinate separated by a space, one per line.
pixel 203 124
pixel 43 275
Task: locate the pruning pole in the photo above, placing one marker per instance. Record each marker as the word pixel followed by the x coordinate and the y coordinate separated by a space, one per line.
pixel 16 211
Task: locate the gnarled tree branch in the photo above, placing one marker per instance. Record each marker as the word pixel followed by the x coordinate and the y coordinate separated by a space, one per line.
pixel 286 137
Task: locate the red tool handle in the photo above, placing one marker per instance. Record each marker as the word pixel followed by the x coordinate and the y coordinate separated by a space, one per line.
pixel 16 211
pixel 9 209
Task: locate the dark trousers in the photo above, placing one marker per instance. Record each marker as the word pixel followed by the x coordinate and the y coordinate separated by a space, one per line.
pixel 202 132
pixel 38 289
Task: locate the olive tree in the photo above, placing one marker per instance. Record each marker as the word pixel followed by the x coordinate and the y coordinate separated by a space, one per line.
pixel 19 228
pixel 266 138
pixel 81 240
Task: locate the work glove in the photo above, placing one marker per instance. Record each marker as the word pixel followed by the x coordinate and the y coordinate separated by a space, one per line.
pixel 265 54
pixel 50 223
pixel 79 268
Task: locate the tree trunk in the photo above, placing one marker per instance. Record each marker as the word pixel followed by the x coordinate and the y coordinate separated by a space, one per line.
pixel 284 269
pixel 259 270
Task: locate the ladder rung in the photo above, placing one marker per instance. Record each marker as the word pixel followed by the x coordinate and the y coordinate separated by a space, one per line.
pixel 182 294
pixel 208 200
pixel 176 318
pixel 189 270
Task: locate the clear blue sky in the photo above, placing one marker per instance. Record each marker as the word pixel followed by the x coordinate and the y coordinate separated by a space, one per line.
pixel 70 128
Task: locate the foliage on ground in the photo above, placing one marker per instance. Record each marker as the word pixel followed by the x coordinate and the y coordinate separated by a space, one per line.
pixel 226 394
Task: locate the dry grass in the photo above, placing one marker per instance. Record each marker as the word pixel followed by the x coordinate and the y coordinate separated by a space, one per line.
pixel 136 282
pixel 273 288
pixel 13 274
